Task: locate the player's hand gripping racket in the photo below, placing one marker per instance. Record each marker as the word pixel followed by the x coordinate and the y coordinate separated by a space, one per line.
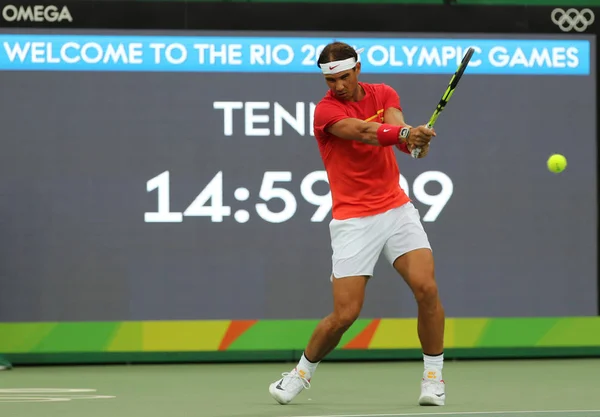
pixel 446 97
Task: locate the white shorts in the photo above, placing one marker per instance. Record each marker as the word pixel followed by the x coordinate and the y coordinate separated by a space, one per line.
pixel 357 243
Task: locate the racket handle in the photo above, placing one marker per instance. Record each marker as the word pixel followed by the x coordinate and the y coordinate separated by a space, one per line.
pixel 415 152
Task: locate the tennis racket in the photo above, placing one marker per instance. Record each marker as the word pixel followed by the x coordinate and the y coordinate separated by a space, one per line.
pixel 449 91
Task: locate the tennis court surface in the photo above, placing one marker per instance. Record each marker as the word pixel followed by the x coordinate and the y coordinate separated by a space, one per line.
pixel 532 388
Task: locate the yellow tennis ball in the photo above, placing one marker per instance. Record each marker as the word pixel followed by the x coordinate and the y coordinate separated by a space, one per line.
pixel 557 163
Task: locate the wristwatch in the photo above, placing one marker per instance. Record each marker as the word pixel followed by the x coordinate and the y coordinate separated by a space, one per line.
pixel 404 133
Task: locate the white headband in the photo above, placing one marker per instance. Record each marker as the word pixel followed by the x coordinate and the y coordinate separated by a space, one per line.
pixel 338 66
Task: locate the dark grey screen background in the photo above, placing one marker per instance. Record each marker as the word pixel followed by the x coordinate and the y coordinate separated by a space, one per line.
pixel 78 149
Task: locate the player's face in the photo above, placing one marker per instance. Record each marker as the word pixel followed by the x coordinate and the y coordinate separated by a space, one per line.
pixel 344 85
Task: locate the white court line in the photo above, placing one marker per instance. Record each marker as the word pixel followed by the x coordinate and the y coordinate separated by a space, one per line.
pixel 31 395
pixel 456 413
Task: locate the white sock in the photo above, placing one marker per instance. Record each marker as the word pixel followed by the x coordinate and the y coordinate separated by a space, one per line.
pixel 307 367
pixel 434 362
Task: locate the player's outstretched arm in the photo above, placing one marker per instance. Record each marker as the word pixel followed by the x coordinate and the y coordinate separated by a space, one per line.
pixel 378 134
pixel 359 130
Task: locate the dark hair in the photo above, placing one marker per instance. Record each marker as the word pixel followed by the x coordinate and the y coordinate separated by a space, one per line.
pixel 336 51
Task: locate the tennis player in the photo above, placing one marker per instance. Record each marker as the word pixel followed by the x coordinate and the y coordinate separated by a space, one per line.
pixel 358 126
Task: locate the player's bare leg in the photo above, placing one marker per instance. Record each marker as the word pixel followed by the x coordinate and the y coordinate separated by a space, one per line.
pixel 417 269
pixel 348 298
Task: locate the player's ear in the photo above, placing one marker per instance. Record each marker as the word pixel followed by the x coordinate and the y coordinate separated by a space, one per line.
pixel 357 68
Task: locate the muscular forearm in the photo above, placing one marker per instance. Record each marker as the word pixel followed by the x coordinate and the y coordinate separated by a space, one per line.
pixel 372 133
pixel 367 133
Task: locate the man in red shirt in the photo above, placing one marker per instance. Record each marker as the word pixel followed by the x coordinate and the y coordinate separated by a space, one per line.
pixel 358 126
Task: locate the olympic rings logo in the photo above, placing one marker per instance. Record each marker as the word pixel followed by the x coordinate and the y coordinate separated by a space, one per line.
pixel 573 19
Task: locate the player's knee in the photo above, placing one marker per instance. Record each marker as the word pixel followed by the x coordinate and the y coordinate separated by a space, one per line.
pixel 426 291
pixel 346 316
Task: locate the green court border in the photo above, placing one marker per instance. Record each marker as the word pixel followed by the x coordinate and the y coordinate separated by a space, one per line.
pixel 293 355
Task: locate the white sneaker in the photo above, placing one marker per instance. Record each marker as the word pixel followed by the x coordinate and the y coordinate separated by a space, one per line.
pixel 286 389
pixel 433 389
